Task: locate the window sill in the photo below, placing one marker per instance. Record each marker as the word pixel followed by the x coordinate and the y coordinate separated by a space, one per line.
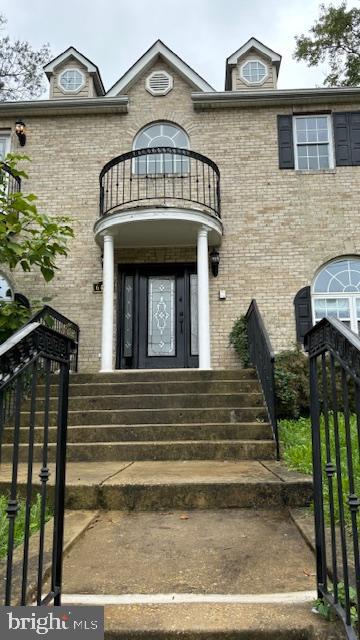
pixel 314 172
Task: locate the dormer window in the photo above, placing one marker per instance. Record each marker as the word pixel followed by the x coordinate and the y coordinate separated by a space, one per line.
pixel 253 72
pixel 71 80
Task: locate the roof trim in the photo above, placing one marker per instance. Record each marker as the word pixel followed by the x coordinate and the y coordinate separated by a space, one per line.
pixel 276 97
pixel 92 69
pixel 146 60
pixel 61 107
pixel 252 43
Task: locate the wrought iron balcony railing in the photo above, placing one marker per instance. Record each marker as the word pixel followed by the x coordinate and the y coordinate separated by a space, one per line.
pixel 11 183
pixel 164 175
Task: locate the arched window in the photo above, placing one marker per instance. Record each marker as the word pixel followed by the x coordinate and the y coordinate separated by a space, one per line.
pixel 336 292
pixel 161 134
pixel 5 289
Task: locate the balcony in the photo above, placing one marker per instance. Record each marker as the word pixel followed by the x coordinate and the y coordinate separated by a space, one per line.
pixel 161 176
pixel 159 197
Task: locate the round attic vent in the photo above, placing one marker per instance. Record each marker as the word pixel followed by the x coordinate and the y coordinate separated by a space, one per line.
pixel 159 83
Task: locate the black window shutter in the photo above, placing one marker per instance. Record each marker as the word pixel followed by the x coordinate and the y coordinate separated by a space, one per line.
pixel 285 142
pixel 347 138
pixel 354 118
pixel 303 315
pixel 342 139
pixel 21 299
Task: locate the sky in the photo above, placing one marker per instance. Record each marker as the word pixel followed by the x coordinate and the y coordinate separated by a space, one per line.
pixel 115 33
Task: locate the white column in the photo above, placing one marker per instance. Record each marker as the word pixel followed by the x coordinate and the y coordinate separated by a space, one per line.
pixel 203 298
pixel 108 306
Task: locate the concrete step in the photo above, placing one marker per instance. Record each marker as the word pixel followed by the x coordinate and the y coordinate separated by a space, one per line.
pixel 159 401
pixel 177 450
pixel 158 486
pixel 153 416
pixel 216 621
pixel 145 388
pixel 164 375
pixel 152 432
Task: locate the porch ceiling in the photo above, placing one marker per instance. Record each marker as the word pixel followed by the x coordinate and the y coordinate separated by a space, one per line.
pixel 168 227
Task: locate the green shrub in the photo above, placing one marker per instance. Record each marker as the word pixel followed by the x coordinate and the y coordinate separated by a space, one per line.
pixel 292 383
pixel 239 339
pixel 12 316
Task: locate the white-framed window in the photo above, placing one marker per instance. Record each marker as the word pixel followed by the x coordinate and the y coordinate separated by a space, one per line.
pixel 336 292
pixel 5 143
pixel 6 293
pixel 313 142
pixel 161 134
pixel 71 80
pixel 253 72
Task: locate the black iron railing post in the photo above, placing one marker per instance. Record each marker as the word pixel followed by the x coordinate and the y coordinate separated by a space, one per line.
pixel 60 483
pixel 320 547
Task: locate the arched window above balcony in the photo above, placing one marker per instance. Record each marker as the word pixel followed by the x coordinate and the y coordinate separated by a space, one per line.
pixel 156 137
pixel 336 292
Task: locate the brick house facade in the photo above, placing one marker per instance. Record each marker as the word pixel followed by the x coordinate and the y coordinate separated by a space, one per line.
pixel 280 224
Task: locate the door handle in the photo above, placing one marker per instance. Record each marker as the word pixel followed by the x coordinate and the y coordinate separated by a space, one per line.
pixel 181 315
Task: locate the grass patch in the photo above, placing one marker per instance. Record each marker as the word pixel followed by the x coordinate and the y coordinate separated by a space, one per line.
pixel 19 522
pixel 296 448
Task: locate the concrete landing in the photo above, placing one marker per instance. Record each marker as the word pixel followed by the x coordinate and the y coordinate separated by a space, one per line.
pixel 195 484
pixel 208 552
pixel 241 574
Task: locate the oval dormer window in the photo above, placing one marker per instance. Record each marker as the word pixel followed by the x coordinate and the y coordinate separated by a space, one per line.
pixel 71 80
pixel 159 83
pixel 253 72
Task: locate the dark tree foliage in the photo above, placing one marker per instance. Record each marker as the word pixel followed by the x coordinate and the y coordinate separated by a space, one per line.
pixel 21 73
pixel 334 39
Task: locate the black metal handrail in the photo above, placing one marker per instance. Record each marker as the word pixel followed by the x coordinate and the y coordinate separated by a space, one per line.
pixel 334 355
pixel 25 364
pixel 12 182
pixel 51 318
pixel 163 174
pixel 262 358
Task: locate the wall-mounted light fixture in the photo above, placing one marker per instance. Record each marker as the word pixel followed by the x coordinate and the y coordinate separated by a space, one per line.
pixel 20 130
pixel 215 261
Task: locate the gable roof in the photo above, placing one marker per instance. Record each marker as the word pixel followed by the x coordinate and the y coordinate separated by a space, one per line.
pixel 147 59
pixel 252 43
pixel 92 69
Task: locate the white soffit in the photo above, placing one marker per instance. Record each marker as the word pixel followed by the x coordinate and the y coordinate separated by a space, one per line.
pixel 159 49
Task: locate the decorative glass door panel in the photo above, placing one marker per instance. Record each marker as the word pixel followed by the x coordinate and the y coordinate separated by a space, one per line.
pixel 161 316
pixel 158 319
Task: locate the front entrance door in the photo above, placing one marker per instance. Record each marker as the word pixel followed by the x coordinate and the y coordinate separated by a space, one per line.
pixel 157 320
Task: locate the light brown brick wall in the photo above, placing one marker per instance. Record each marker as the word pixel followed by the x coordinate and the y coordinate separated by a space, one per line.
pixel 279 226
